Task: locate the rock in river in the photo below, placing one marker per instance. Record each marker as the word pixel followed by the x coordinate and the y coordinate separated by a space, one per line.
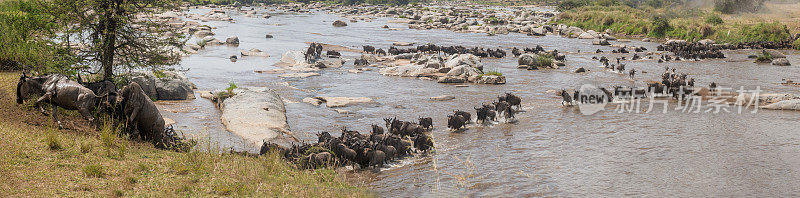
pixel 299 75
pixel 443 98
pixel 334 102
pixel 255 114
pixel 781 62
pixel 339 23
pixel 254 52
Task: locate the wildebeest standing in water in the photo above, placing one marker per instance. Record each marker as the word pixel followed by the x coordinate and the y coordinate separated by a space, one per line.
pixel 426 122
pixel 60 91
pixel 141 113
pixel 455 122
pixel 369 49
pixel 566 100
pixel 467 116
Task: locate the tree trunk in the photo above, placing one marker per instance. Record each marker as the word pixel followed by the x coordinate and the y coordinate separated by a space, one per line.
pixel 109 37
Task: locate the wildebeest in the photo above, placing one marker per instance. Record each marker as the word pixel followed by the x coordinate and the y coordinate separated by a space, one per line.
pixel 423 142
pixel 512 100
pixel 426 122
pixel 361 62
pixel 60 91
pixel 501 106
pixel 566 100
pixel 455 122
pixel 369 49
pixel 142 113
pixel 380 52
pixel 333 54
pixel 467 116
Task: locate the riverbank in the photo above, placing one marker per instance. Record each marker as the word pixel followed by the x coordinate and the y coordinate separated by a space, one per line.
pixel 686 22
pixel 41 160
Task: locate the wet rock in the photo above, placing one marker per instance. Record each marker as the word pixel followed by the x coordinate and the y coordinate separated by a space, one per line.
pixel 463 59
pixel 255 114
pixel 793 104
pixel 330 63
pixel 451 79
pixel 174 86
pixel 334 102
pixel 269 36
pixel 706 42
pixel 313 101
pixel 443 98
pixel 148 84
pixel 203 33
pixel 539 31
pixel 339 23
pixel 206 94
pixel 781 62
pixel 254 52
pixel 600 42
pixel 402 44
pixel 299 75
pixel 234 58
pixel 580 70
pixel 293 58
pixel 233 40
pixel 491 79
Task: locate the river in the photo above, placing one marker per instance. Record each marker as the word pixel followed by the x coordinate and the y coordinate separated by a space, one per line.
pixel 549 151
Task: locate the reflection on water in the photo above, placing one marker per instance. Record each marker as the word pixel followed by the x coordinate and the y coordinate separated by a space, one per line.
pixel 550 151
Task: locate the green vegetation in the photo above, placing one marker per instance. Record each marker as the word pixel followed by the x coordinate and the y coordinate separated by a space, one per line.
pixel 764 57
pixel 674 22
pixel 796 44
pixel 543 60
pixel 714 20
pixel 27 33
pixel 737 6
pixel 31 169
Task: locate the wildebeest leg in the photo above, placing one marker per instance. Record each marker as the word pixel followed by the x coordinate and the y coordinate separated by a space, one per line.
pixel 88 115
pixel 132 118
pixel 55 116
pixel 45 97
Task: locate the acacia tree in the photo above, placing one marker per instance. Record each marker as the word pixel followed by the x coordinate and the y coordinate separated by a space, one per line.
pixel 110 35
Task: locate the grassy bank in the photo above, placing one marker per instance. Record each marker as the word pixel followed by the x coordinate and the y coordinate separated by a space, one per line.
pixel 680 22
pixel 39 160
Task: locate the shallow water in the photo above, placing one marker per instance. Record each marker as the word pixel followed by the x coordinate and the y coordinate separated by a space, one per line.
pixel 549 151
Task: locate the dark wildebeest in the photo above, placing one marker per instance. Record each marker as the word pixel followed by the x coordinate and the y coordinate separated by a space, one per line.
pixel 333 54
pixel 467 116
pixel 513 100
pixel 482 114
pixel 377 129
pixel 60 91
pixel 361 62
pixel 380 52
pixel 501 107
pixel 369 49
pixel 426 123
pixel 142 113
pixel 423 142
pixel 632 73
pixel 566 100
pixel 455 122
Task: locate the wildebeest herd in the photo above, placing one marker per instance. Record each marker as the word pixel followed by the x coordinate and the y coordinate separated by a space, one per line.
pixel 432 48
pixel 314 52
pixel 353 148
pixel 130 105
pixel 487 112
pixel 678 85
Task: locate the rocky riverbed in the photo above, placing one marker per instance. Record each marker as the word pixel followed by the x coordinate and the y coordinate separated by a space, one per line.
pixel 549 151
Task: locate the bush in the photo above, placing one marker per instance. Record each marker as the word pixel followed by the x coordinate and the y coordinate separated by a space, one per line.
pixel 659 25
pixel 543 60
pixel 764 57
pixel 714 20
pixel 52 141
pixel 796 44
pixel 94 170
pixel 737 6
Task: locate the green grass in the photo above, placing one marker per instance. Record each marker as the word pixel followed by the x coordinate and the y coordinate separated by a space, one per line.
pixel 764 57
pixel 83 166
pixel 543 61
pixel 671 22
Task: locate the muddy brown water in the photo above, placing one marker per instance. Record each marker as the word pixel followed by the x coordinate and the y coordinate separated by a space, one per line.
pixel 548 151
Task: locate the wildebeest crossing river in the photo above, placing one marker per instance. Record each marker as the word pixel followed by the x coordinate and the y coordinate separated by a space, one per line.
pixel 549 151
